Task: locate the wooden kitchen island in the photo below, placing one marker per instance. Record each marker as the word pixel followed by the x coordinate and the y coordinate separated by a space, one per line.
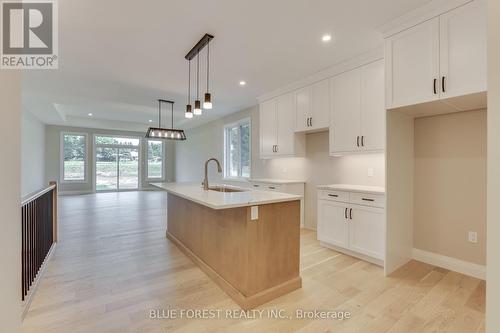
pixel 248 242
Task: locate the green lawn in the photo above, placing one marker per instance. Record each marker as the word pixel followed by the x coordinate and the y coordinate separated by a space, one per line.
pixel 106 173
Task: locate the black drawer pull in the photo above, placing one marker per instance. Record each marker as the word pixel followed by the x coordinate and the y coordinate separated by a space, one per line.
pixel 255 185
pixel 333 195
pixel 365 199
pixel 272 187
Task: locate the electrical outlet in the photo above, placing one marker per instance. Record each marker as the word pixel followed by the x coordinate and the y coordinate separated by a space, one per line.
pixel 371 172
pixel 472 237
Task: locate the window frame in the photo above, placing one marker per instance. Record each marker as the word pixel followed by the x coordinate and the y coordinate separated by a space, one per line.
pixel 163 159
pixel 85 160
pixel 226 149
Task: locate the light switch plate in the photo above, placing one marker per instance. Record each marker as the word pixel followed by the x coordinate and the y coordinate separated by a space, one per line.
pixel 371 172
pixel 254 213
pixel 472 237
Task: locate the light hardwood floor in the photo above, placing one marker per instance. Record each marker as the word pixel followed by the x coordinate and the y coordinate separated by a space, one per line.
pixel 113 264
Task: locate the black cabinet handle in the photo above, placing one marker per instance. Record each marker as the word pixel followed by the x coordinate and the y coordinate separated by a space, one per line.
pixel 357 141
pixel 365 199
pixel 350 213
pixel 435 89
pixel 345 213
pixel 443 84
pixel 307 122
pixel 255 185
pixel 333 195
pixel 362 141
pixel 311 122
pixel 272 187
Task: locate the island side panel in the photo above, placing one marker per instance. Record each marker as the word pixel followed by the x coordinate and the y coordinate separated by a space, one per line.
pixel 217 237
pixel 274 246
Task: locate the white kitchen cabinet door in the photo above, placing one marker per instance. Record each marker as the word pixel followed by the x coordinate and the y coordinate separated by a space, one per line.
pixel 345 112
pixel 320 105
pixel 367 231
pixel 302 100
pixel 332 224
pixel 373 106
pixel 412 65
pixel 463 66
pixel 267 128
pixel 285 126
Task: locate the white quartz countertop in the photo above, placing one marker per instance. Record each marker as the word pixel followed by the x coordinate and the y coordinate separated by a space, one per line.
pixel 353 188
pixel 276 181
pixel 224 200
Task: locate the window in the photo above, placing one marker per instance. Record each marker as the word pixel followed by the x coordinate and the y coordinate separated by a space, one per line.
pixel 116 163
pixel 237 149
pixel 155 159
pixel 74 159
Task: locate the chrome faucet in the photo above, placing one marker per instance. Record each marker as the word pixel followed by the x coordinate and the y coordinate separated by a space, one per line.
pixel 219 169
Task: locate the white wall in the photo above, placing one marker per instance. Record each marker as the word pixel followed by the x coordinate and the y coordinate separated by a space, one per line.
pixel 315 168
pixel 493 176
pixel 10 201
pixel 53 156
pixel 32 154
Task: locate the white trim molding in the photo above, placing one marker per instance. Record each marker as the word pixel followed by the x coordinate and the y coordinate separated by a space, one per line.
pixel 353 63
pixel 457 265
pixel 419 15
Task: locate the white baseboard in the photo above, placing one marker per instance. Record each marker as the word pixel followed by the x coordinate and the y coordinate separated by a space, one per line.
pixel 457 265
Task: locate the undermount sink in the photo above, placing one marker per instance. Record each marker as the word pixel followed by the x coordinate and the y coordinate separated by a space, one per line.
pixel 224 189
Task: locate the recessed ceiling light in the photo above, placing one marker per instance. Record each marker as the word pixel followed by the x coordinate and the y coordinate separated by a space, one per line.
pixel 326 38
pixel 90 114
pixel 242 83
pixel 150 120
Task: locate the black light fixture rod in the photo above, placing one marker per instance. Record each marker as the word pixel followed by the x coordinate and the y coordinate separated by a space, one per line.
pixel 199 46
pixel 208 64
pixel 198 76
pixel 172 112
pixel 159 111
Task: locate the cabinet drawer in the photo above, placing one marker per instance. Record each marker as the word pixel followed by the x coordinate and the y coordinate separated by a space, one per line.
pixel 373 200
pixel 266 187
pixel 334 195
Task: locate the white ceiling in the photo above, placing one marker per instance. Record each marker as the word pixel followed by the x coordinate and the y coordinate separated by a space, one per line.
pixel 116 57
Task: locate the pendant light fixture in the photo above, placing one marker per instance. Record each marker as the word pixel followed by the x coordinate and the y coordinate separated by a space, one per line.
pixel 197 103
pixel 195 52
pixel 189 112
pixel 165 133
pixel 207 104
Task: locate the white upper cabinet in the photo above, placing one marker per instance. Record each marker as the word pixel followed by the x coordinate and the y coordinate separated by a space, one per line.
pixel 373 107
pixel 312 104
pixel 277 128
pixel 268 127
pixel 346 112
pixel 285 136
pixel 412 65
pixel 320 105
pixel 440 58
pixel 463 63
pixel 302 109
pixel 358 111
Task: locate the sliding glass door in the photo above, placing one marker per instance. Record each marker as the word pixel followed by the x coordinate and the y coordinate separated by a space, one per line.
pixel 116 163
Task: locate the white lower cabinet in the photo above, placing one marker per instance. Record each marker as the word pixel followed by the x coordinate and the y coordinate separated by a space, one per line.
pixel 347 225
pixel 334 228
pixel 366 231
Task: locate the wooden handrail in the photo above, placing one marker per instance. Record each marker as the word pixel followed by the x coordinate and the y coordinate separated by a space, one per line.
pixel 33 196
